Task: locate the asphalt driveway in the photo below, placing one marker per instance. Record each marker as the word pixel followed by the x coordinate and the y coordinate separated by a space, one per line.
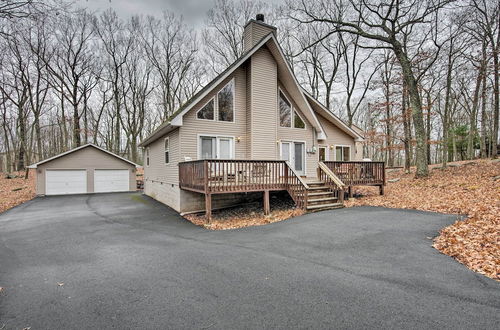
pixel 125 261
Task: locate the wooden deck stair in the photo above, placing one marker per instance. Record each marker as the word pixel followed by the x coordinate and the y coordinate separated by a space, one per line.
pixel 320 197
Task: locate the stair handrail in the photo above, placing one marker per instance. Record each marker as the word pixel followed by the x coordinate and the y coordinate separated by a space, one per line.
pixel 331 175
pixel 337 185
pixel 297 175
pixel 299 199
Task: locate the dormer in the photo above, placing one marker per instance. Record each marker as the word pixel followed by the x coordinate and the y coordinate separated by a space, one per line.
pixel 255 30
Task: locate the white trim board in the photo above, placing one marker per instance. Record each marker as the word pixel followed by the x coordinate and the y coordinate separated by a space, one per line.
pixel 79 148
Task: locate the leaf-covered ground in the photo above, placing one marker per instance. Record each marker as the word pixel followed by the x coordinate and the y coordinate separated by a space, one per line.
pixel 282 208
pixel 16 190
pixel 469 188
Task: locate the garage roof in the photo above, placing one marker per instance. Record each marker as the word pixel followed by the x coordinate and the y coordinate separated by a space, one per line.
pixel 79 148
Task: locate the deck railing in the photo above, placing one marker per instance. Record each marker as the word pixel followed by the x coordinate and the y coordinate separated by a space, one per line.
pixel 358 173
pixel 326 175
pixel 232 176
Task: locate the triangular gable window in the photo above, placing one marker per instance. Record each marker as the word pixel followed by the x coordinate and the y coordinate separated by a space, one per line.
pixel 207 112
pixel 297 121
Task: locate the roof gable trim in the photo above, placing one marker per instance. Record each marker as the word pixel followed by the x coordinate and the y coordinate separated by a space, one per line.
pixel 80 148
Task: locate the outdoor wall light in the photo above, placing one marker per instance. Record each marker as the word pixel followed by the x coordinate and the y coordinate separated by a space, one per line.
pixel 331 147
pixel 238 139
pixel 278 141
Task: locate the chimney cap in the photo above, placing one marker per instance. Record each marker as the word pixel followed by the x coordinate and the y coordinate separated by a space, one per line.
pixel 259 17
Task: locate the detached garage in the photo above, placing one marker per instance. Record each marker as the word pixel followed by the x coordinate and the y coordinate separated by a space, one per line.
pixel 86 169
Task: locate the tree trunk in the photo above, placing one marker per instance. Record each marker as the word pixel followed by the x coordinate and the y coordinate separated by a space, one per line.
pixel 22 139
pixel 484 119
pixel 496 98
pixel 416 109
pixel 473 115
pixel 429 106
pixel 406 129
pixel 76 126
pixel 447 106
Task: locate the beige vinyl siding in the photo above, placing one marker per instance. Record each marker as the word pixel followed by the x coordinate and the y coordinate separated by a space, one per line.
pixel 161 181
pixel 299 134
pixel 335 136
pixel 253 33
pixel 192 127
pixel 263 93
pixel 248 94
pixel 157 169
pixel 89 159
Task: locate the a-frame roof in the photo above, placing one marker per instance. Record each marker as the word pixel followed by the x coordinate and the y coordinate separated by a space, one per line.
pixel 290 81
pixel 80 148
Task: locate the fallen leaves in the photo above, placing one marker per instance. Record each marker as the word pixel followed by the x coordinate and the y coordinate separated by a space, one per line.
pixel 466 188
pixel 282 208
pixel 16 190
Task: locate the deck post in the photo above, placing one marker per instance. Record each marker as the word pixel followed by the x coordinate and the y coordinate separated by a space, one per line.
pixel 208 207
pixel 267 205
pixel 350 191
pixel 381 189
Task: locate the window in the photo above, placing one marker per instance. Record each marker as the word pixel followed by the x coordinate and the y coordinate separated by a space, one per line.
pixel 167 150
pixel 297 121
pixel 207 112
pixel 342 153
pixel 225 100
pixel 285 111
pixel 147 156
pixel 207 147
pixel 216 147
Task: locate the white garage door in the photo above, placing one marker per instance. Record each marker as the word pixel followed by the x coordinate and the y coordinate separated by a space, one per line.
pixel 111 180
pixel 62 182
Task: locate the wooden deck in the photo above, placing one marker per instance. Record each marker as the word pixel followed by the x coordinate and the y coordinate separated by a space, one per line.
pixel 216 176
pixel 359 173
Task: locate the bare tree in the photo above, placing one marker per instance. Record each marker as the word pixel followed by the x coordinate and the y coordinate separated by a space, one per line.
pixel 171 49
pixel 488 20
pixel 223 35
pixel 389 25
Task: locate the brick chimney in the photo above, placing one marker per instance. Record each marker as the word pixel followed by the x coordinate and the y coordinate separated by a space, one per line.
pixel 255 30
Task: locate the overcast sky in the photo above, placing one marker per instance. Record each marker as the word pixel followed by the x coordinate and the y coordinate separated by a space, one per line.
pixel 192 10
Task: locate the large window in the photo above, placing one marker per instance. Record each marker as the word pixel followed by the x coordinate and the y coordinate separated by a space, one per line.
pixel 167 150
pixel 216 147
pixel 285 111
pixel 225 100
pixel 343 153
pixel 287 116
pixel 207 112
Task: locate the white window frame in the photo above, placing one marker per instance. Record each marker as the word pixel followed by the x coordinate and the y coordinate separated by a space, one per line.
pixel 217 144
pixel 166 149
pixel 292 114
pixel 215 110
pixel 304 170
pixel 343 146
pixel 148 158
pixel 234 101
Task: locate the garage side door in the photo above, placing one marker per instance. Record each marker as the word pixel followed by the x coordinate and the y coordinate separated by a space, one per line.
pixel 63 182
pixel 111 180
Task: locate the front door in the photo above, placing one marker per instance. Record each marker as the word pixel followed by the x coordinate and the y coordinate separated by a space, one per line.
pixel 294 153
pixel 322 154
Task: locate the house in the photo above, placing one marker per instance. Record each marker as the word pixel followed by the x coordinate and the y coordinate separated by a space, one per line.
pixel 252 129
pixel 82 170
